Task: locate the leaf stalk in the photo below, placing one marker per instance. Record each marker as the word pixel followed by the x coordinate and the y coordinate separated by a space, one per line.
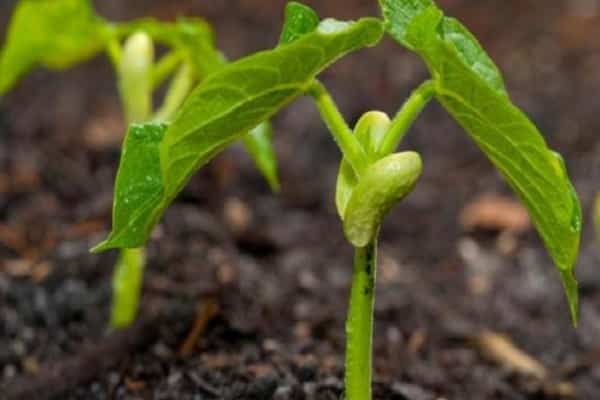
pixel 342 134
pixel 407 115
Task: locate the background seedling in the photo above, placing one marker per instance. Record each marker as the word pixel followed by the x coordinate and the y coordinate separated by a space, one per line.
pixel 69 32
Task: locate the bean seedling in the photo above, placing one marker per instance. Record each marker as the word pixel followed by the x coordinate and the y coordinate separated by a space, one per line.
pixel 160 157
pixel 69 32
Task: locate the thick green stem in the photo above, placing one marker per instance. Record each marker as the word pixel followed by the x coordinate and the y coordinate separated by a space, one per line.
pixel 345 139
pixel 406 117
pixel 127 287
pixel 359 326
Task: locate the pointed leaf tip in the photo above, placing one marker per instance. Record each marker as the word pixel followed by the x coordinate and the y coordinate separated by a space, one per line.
pixel 100 247
pixel 572 292
pixel 299 20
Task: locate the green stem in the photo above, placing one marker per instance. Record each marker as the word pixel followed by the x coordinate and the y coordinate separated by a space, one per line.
pixel 180 87
pixel 114 53
pixel 127 287
pixel 165 67
pixel 407 115
pixel 359 326
pixel 345 139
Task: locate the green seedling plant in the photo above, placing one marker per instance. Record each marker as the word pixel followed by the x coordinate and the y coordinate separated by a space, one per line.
pixel 160 157
pixel 373 177
pixel 68 32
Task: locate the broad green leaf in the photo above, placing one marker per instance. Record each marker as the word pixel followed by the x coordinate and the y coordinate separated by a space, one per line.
pixel 138 187
pixel 53 33
pixel 259 144
pixel 370 131
pixel 470 88
pixel 382 185
pixel 299 20
pixel 229 103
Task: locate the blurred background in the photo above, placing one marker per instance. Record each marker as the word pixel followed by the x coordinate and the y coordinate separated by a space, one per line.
pixel 469 306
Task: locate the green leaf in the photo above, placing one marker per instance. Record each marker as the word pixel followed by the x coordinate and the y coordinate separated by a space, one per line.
pixel 471 53
pixel 470 88
pixel 259 144
pixel 384 184
pixel 249 91
pixel 399 15
pixel 138 187
pixel 370 131
pixel 299 20
pixel 229 103
pixel 419 20
pixel 53 33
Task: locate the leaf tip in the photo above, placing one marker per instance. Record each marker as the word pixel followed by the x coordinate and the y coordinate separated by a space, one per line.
pixel 275 185
pixel 572 292
pixel 101 247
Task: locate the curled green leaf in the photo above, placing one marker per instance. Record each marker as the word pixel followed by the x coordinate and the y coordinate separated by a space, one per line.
pixel 382 185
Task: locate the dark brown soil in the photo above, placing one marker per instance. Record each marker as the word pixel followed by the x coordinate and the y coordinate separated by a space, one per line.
pixel 275 269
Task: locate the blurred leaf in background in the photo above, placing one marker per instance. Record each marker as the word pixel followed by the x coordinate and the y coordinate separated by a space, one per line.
pixel 56 34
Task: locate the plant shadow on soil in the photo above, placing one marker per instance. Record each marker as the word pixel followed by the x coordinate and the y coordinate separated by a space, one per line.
pixel 274 271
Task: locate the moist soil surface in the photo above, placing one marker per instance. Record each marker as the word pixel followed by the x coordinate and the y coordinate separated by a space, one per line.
pixel 245 292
